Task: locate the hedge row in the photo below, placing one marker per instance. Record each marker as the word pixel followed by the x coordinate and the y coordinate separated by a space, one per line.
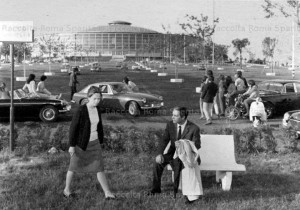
pixel 36 138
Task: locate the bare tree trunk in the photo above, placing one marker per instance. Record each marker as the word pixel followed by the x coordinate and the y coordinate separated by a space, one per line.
pixel 241 59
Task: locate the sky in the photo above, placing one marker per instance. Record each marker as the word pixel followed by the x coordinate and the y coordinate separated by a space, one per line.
pixel 237 18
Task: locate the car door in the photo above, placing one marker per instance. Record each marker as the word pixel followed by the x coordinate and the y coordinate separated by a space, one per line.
pixel 290 97
pixel 4 108
pixel 297 90
pixel 111 99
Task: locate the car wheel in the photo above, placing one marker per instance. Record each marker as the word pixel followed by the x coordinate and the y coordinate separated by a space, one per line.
pixel 133 108
pixel 269 108
pixel 84 101
pixel 48 114
pixel 232 113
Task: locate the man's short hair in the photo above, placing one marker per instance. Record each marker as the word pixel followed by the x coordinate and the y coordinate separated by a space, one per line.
pixel 182 111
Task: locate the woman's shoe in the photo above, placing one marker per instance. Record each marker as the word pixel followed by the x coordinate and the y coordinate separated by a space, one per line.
pixel 111 197
pixel 70 195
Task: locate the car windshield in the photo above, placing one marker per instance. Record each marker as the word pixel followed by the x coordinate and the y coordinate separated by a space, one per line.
pixel 276 87
pixel 120 88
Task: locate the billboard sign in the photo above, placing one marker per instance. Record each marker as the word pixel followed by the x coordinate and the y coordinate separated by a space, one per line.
pixel 16 31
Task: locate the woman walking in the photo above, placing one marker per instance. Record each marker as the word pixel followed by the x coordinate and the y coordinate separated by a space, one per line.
pixel 85 137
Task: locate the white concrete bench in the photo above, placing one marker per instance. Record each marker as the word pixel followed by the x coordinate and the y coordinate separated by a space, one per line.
pixel 217 154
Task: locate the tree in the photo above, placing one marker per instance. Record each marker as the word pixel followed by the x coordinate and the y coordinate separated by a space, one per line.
pixel 19 49
pixel 49 44
pixel 199 28
pixel 269 45
pixel 239 44
pixel 288 8
pixel 221 52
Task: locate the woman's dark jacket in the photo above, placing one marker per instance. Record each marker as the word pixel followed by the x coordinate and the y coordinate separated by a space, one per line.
pixel 209 91
pixel 80 128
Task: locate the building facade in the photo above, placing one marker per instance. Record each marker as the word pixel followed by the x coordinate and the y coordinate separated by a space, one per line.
pixel 118 39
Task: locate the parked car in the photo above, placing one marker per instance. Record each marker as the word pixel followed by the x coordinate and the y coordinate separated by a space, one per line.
pixel 291 119
pixel 117 96
pixel 95 66
pixel 280 96
pixel 136 67
pixel 24 107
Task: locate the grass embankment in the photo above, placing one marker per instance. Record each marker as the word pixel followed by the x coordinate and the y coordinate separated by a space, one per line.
pixel 34 179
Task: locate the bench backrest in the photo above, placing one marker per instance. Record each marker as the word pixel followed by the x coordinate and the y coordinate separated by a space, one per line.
pixel 216 151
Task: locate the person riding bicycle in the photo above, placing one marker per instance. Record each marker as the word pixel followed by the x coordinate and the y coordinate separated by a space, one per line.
pixel 252 94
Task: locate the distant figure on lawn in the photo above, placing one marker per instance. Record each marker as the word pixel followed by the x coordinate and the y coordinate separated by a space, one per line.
pixel 130 84
pixel 209 92
pixel 4 93
pixel 43 92
pixel 86 138
pixel 200 100
pixel 73 82
pixel 179 131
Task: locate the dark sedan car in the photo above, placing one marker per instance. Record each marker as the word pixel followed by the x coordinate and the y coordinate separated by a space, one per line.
pixel 24 107
pixel 117 96
pixel 280 96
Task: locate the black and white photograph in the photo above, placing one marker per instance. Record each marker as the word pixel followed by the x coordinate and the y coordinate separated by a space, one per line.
pixel 162 104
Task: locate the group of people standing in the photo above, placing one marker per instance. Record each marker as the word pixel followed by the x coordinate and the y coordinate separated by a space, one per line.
pixel 213 95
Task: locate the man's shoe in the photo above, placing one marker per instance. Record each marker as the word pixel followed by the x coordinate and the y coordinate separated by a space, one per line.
pixel 153 192
pixel 208 123
pixel 187 201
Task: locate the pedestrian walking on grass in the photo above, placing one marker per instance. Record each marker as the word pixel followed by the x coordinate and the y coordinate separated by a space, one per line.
pixel 208 94
pixel 86 138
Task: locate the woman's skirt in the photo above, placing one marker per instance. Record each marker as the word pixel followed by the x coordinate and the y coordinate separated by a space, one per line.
pixel 89 161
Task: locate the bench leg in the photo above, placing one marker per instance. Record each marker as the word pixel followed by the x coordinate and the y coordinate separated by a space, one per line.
pixel 226 178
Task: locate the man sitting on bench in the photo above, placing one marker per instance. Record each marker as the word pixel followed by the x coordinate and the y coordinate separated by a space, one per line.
pixel 178 128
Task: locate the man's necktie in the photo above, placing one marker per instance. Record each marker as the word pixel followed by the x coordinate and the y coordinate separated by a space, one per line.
pixel 179 133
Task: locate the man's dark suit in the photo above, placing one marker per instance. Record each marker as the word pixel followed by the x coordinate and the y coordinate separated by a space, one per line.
pixel 190 132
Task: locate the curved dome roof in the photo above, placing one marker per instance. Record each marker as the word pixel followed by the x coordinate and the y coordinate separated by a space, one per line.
pixel 119 27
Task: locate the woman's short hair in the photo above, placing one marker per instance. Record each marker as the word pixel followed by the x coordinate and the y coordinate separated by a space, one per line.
pixel 92 90
pixel 43 78
pixel 209 72
pixel 182 111
pixel 251 82
pixel 239 73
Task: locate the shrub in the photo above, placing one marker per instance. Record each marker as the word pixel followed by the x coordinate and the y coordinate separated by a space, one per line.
pixel 251 140
pixel 291 134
